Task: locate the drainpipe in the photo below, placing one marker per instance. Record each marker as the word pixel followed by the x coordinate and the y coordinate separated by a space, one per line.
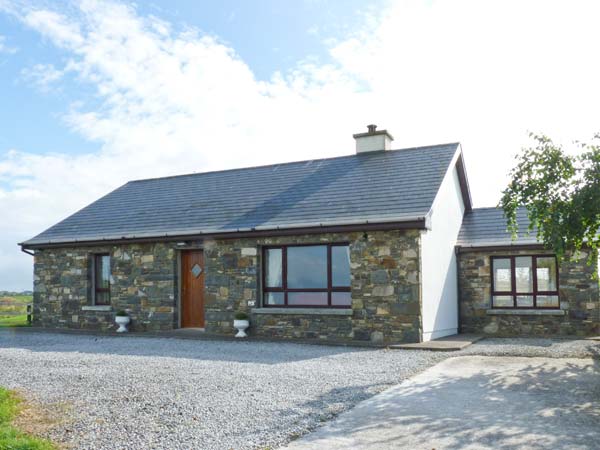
pixel 459 315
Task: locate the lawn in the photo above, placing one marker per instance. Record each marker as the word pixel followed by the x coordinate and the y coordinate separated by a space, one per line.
pixel 10 437
pixel 18 302
pixel 14 321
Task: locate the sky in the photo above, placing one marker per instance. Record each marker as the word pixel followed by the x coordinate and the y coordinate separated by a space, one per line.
pixel 96 93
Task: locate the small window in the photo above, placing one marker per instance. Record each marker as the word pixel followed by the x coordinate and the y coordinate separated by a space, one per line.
pixel 340 265
pixel 524 282
pixel 273 268
pixel 102 279
pixel 524 274
pixel 502 274
pixel 546 274
pixel 307 276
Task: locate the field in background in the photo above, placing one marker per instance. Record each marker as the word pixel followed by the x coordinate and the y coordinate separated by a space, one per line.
pixel 18 303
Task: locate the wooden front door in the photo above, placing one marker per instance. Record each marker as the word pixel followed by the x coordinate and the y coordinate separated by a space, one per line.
pixel 192 289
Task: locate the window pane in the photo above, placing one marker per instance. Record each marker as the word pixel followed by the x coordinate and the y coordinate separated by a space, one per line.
pixel 102 298
pixel 341 299
pixel 503 301
pixel 524 274
pixel 307 298
pixel 546 274
pixel 340 265
pixel 273 267
pixel 102 271
pixel 547 301
pixel 274 298
pixel 502 279
pixel 307 267
pixel 525 301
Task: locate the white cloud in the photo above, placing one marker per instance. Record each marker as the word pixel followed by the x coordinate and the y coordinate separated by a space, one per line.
pixel 174 102
pixel 43 76
pixel 56 27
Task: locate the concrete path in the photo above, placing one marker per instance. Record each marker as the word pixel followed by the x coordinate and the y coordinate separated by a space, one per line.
pixel 451 343
pixel 475 402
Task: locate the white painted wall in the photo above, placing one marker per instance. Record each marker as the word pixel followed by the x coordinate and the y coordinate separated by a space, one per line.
pixel 373 143
pixel 438 260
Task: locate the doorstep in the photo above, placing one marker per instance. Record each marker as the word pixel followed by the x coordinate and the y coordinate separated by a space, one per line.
pixel 451 343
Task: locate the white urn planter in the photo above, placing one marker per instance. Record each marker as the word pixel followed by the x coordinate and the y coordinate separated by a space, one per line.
pixel 241 326
pixel 122 321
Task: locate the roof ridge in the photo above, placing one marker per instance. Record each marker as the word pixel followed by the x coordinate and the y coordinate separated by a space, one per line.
pixel 292 162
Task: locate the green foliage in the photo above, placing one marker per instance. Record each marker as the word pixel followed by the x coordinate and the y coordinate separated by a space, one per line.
pixel 561 192
pixel 122 313
pixel 240 315
pixel 10 437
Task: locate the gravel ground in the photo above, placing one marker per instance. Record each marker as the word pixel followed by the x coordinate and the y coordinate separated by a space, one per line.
pixel 549 348
pixel 131 393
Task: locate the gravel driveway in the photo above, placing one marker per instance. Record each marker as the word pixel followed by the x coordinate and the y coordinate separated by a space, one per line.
pixel 541 347
pixel 131 392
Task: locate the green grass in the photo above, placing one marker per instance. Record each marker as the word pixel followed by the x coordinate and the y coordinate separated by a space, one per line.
pixel 10 437
pixel 14 321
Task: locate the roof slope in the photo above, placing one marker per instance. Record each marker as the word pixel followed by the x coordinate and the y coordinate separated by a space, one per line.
pixel 483 227
pixel 378 186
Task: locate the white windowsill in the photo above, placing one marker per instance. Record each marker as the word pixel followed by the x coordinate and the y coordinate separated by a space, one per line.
pixel 304 311
pixel 96 308
pixel 525 312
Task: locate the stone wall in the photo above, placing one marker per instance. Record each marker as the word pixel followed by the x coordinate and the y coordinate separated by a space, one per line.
pixel 144 283
pixel 386 295
pixel 578 295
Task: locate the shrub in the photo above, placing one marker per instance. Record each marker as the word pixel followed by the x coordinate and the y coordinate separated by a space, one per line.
pixel 240 315
pixel 122 313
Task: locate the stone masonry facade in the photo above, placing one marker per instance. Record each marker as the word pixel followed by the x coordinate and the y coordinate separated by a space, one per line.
pixel 578 296
pixel 143 282
pixel 386 288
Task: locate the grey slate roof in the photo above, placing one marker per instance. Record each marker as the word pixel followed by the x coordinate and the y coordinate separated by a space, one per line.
pixel 375 187
pixel 484 227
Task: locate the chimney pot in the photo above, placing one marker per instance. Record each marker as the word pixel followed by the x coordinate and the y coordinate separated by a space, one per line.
pixel 371 128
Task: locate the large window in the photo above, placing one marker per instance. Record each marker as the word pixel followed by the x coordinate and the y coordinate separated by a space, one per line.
pixel 101 279
pixel 525 282
pixel 307 275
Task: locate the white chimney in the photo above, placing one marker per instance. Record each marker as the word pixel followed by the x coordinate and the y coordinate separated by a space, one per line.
pixel 373 140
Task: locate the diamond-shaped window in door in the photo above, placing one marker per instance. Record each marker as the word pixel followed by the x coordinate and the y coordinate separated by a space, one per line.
pixel 196 270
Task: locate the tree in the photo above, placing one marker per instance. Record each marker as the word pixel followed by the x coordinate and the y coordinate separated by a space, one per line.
pixel 561 193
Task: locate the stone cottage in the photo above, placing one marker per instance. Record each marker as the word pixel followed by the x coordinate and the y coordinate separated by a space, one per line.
pixel 380 246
